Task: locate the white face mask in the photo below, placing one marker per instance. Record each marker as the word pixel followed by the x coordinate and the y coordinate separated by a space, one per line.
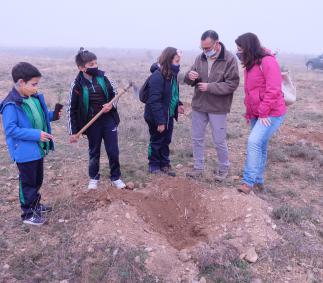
pixel 210 53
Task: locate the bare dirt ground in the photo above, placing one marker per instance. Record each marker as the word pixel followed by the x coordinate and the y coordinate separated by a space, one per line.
pixel 169 229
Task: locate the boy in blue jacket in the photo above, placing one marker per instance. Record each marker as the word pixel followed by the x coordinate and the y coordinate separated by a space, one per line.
pixel 26 122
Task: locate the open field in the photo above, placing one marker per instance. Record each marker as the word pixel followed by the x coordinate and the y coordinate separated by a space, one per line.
pixel 167 230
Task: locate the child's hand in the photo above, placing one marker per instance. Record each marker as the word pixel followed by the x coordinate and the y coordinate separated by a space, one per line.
pixel 161 128
pixel 73 138
pixel 181 109
pixel 107 107
pixel 60 113
pixel 45 137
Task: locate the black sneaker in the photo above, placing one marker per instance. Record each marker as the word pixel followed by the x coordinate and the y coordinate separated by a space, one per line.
pixel 155 171
pixel 168 171
pixel 35 219
pixel 42 208
pixel 261 188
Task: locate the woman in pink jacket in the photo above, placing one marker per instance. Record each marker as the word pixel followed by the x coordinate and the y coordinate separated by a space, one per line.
pixel 265 106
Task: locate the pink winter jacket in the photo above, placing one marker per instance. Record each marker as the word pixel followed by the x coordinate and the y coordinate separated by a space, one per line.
pixel 263 90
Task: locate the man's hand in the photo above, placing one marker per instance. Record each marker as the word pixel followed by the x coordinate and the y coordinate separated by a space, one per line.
pixel 45 137
pixel 161 128
pixel 265 121
pixel 73 138
pixel 202 87
pixel 181 109
pixel 107 107
pixel 192 75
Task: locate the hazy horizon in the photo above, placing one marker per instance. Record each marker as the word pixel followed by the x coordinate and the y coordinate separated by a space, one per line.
pixel 283 26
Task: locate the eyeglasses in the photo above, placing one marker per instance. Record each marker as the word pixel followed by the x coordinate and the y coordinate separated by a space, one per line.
pixel 208 48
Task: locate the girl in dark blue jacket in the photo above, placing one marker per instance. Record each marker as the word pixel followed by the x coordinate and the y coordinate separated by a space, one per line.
pixel 162 107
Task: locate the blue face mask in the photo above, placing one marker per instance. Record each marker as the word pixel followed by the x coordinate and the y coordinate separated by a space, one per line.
pixel 210 53
pixel 175 68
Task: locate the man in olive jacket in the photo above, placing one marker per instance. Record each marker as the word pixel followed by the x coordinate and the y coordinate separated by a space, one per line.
pixel 215 76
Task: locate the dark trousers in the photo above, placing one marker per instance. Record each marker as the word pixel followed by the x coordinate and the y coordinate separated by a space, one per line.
pixel 31 176
pixel 104 128
pixel 158 150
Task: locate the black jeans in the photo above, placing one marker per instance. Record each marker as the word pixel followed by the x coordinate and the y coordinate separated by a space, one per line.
pixel 31 175
pixel 158 151
pixel 104 128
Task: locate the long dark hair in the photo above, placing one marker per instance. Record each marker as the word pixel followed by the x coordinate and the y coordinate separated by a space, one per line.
pixel 165 61
pixel 253 52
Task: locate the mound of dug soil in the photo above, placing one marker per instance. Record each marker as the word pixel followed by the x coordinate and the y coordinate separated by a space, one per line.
pixel 175 212
pixel 173 219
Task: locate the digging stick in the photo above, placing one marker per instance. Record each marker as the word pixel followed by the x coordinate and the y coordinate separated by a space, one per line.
pixel 102 111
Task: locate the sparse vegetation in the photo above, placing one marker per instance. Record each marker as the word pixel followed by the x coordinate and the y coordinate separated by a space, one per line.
pixel 58 251
pixel 291 214
pixel 222 264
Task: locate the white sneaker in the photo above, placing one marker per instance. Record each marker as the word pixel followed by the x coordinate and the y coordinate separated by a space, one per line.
pixel 93 184
pixel 119 184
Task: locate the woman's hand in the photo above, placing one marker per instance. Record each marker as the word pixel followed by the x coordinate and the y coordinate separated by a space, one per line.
pixel 161 128
pixel 181 109
pixel 265 121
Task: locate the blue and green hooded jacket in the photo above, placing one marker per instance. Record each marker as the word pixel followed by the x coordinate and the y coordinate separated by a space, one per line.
pixel 22 139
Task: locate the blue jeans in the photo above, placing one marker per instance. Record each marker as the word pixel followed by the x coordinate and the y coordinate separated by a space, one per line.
pixel 257 147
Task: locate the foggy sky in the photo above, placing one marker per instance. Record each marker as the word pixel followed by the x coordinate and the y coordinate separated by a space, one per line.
pixel 285 25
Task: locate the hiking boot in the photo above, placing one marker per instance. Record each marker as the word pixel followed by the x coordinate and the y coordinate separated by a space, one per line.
pixel 260 187
pixel 195 174
pixel 168 171
pixel 221 176
pixel 118 184
pixel 42 208
pixel 93 184
pixel 35 219
pixel 244 188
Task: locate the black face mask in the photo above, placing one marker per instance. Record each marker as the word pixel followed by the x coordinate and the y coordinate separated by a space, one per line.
pixel 92 71
pixel 240 56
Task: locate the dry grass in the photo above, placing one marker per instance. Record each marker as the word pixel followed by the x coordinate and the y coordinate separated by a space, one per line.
pixel 291 214
pixel 221 264
pixel 294 178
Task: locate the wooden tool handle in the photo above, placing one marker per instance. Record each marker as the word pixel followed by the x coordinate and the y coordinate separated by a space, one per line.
pixel 102 111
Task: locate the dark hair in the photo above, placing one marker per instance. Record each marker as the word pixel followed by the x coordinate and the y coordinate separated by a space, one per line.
pixel 253 52
pixel 84 56
pixel 165 61
pixel 211 34
pixel 24 71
